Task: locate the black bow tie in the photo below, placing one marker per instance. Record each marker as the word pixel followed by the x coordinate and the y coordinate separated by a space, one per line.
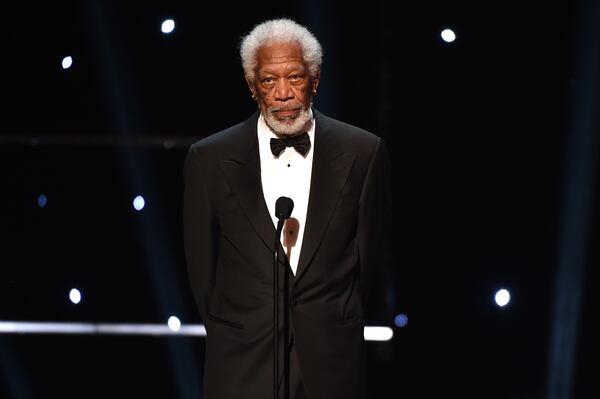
pixel 301 143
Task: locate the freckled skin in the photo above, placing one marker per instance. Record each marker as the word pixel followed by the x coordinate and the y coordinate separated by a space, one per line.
pixel 283 86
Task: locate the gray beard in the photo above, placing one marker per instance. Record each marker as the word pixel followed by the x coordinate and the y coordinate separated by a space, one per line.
pixel 288 127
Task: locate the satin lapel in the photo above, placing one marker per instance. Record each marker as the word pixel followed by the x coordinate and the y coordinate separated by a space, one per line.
pixel 329 174
pixel 243 175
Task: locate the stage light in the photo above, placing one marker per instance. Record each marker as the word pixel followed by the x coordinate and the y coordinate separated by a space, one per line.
pixel 174 323
pixel 67 62
pixel 376 333
pixel 371 333
pixel 448 35
pixel 401 320
pixel 139 203
pixel 502 297
pixel 167 26
pixel 42 200
pixel 75 296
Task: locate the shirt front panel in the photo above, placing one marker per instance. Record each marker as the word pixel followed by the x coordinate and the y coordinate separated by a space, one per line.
pixel 288 175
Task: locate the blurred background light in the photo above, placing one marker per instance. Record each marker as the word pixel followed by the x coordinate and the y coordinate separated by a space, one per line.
pixel 42 200
pixel 67 62
pixel 502 297
pixel 174 323
pixel 75 296
pixel 377 333
pixel 401 320
pixel 448 35
pixel 139 203
pixel 167 26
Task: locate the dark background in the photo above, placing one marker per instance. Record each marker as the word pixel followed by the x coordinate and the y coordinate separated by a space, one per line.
pixel 493 153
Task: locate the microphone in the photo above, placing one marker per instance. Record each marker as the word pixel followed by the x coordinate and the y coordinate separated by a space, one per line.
pixel 283 208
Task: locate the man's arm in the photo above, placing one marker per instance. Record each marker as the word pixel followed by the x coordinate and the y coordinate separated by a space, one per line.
pixel 200 231
pixel 374 230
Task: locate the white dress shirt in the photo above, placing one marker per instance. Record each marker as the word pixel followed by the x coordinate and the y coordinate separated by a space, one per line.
pixel 289 176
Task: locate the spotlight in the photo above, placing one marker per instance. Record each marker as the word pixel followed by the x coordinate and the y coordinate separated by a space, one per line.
pixel 377 333
pixel 139 203
pixel 502 297
pixel 75 296
pixel 401 320
pixel 174 323
pixel 167 26
pixel 67 62
pixel 42 200
pixel 448 35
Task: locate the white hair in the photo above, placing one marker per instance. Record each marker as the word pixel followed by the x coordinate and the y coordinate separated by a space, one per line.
pixel 281 30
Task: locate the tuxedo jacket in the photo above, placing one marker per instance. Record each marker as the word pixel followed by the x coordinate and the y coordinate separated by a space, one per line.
pixel 229 239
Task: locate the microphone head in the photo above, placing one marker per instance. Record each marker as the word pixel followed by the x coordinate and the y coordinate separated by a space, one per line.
pixel 283 208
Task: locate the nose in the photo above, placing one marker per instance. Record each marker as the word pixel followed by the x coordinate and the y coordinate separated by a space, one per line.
pixel 283 90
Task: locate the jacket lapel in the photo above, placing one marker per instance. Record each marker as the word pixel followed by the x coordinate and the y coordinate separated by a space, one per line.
pixel 242 171
pixel 330 171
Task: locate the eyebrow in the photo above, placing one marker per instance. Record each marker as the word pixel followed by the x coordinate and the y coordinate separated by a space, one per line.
pixel 289 69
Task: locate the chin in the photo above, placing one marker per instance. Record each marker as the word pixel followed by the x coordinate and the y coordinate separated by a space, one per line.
pixel 288 127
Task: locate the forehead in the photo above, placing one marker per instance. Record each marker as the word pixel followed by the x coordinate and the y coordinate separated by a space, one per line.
pixel 280 55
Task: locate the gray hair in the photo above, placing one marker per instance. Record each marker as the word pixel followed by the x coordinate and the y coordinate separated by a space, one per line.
pixel 277 31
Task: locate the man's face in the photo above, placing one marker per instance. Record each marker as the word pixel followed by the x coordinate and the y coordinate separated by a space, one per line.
pixel 283 87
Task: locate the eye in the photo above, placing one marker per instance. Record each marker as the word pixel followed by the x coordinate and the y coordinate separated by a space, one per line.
pixel 269 80
pixel 295 78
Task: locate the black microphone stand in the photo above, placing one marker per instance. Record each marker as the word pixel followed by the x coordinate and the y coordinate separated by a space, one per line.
pixel 286 329
pixel 283 210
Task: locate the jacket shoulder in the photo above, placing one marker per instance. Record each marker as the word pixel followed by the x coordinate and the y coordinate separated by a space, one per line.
pixel 219 139
pixel 233 141
pixel 348 134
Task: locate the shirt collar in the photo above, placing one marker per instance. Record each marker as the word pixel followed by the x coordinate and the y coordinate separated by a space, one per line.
pixel 265 133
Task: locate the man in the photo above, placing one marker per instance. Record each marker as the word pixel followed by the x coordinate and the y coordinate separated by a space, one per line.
pixel 338 181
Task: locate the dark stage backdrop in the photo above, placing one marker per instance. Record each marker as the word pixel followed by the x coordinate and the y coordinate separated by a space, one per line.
pixel 495 186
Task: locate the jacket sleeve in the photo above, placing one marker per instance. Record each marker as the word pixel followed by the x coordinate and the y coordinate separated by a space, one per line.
pixel 200 231
pixel 374 231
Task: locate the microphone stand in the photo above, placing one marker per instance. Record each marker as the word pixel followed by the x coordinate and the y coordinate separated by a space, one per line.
pixel 276 311
pixel 286 329
pixel 286 317
pixel 283 210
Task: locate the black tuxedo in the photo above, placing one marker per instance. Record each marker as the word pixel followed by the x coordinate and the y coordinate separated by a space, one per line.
pixel 229 238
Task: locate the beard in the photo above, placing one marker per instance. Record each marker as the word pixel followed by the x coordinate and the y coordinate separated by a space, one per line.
pixel 288 126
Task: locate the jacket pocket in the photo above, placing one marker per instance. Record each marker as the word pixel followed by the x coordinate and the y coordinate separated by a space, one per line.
pixel 354 319
pixel 225 322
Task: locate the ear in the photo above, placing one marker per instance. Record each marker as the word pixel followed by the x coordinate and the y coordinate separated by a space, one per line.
pixel 315 81
pixel 251 87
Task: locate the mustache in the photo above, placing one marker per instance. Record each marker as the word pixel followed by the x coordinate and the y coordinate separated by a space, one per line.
pixel 275 108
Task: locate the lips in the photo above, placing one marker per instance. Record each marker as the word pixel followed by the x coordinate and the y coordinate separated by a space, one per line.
pixel 286 113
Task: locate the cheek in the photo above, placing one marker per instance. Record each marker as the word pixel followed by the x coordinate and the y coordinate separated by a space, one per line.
pixel 264 103
pixel 265 95
pixel 265 100
pixel 303 95
pixel 301 91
